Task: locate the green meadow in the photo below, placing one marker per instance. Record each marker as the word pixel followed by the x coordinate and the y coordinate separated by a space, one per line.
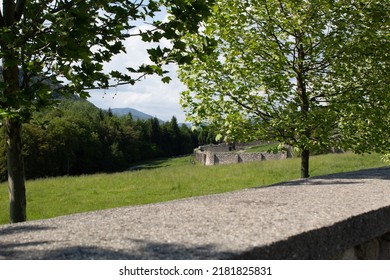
pixel 168 179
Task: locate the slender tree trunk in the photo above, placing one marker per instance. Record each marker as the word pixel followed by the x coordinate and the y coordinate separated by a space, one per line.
pixel 16 181
pixel 305 154
pixel 15 166
pixel 305 107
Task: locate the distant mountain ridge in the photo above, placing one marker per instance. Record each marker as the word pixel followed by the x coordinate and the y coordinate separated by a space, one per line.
pixel 138 115
pixel 135 113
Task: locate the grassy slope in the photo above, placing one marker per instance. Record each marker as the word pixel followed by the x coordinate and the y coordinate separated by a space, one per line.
pixel 166 180
pixel 261 148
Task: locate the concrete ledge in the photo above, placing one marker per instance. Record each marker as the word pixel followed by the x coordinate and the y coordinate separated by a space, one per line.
pixel 338 216
pixel 329 242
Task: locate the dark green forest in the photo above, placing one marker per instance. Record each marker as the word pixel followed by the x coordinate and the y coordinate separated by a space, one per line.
pixel 77 138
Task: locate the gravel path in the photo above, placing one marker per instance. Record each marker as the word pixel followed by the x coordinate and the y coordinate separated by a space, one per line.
pixel 285 221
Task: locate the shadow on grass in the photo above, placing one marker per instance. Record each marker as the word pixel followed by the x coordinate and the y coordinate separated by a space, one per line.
pixel 156 163
pixel 153 164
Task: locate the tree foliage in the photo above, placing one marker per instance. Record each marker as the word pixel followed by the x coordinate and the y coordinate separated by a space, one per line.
pixel 77 138
pixel 66 43
pixel 310 74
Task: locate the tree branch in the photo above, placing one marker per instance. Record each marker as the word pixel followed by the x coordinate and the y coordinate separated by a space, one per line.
pixel 66 6
pixel 1 19
pixel 120 83
pixel 19 9
pixel 282 47
pixel 141 4
pixel 9 12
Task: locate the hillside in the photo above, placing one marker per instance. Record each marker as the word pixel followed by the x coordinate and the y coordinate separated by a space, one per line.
pixel 75 137
pixel 167 179
pixel 135 113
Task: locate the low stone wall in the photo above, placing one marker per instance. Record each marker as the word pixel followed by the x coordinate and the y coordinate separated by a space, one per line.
pixel 220 148
pixel 228 147
pixel 338 216
pixel 214 158
pixel 247 157
pixel 374 249
pixel 224 158
pixel 200 157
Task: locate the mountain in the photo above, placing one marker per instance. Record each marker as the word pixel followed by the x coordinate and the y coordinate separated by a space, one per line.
pixel 135 113
pixel 138 115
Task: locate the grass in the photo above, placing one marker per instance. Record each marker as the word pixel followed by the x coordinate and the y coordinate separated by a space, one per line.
pixel 262 148
pixel 165 180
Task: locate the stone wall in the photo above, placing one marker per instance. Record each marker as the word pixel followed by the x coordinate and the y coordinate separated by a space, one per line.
pixel 224 158
pixel 337 216
pixel 221 148
pixel 200 157
pixel 374 249
pixel 228 147
pixel 215 158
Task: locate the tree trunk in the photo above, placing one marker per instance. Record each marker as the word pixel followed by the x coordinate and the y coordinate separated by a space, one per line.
pixel 13 125
pixel 16 181
pixel 305 154
pixel 305 106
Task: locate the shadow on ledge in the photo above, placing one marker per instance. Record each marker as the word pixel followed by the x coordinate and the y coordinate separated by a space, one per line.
pixel 323 243
pixel 146 251
pixel 326 242
pixel 21 229
pixel 150 251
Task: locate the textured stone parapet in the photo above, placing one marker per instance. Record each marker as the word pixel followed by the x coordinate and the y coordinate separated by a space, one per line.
pixel 339 216
pixel 215 158
pixel 361 237
pixel 374 249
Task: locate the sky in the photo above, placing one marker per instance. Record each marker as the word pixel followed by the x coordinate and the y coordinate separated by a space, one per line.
pixel 150 95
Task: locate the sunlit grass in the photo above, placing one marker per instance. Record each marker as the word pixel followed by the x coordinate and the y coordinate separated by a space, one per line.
pixel 165 180
pixel 262 148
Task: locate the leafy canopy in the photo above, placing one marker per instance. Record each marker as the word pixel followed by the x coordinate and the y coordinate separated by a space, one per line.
pixel 63 45
pixel 312 74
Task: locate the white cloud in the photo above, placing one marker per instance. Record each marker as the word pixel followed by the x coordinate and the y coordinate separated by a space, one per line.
pixel 149 95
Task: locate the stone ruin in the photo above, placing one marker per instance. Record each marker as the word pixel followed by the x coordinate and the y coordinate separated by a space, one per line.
pixel 234 153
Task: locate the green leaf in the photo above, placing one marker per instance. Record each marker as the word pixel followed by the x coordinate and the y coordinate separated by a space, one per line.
pixel 166 80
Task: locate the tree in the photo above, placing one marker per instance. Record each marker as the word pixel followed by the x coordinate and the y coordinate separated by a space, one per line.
pixel 172 140
pixel 187 140
pixel 298 72
pixel 44 43
pixel 365 124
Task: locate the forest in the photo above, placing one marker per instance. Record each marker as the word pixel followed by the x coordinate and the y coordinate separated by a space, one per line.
pixel 77 138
